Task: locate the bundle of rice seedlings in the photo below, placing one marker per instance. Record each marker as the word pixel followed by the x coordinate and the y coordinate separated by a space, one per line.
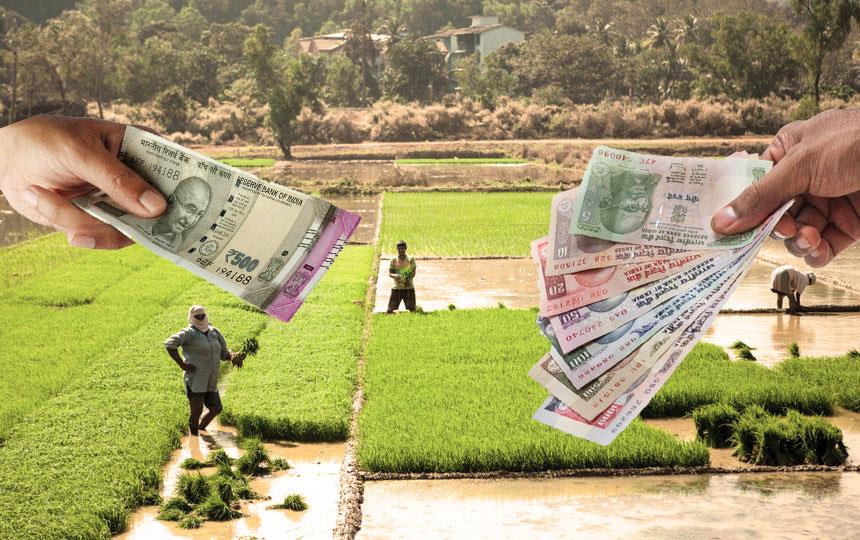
pixel 745 353
pixel 279 464
pixel 251 346
pixel 737 345
pixel 293 502
pixel 190 522
pixel 821 442
pixel 794 349
pixel 254 459
pixel 744 436
pixel 176 503
pixel 193 487
pixel 227 471
pixel 714 424
pixel 223 487
pixel 193 464
pixel 242 489
pixel 173 514
pixel 148 493
pixel 217 457
pixel 854 353
pixel 776 444
pixel 215 509
pixel 116 518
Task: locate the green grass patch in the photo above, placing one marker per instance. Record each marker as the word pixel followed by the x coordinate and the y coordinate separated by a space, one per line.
pixel 464 224
pixel 248 163
pixel 461 161
pixel 27 259
pixel 707 376
pixel 443 395
pixel 83 458
pixel 294 502
pixel 838 377
pixel 301 383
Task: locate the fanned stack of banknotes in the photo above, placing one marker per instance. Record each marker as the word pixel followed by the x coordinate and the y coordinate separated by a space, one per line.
pixel 630 276
pixel 263 242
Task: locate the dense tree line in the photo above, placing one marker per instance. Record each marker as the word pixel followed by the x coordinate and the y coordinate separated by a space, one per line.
pixel 179 54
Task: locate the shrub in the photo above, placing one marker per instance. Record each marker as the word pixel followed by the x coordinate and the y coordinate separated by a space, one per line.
pixel 714 424
pixel 794 349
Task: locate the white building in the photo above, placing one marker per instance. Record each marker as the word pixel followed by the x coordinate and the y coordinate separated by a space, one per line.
pixel 484 36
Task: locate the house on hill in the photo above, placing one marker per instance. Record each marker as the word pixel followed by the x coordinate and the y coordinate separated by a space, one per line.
pixel 335 43
pixel 482 37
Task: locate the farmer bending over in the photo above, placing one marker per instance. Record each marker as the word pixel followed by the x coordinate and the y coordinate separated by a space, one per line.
pixel 402 270
pixel 791 282
pixel 203 347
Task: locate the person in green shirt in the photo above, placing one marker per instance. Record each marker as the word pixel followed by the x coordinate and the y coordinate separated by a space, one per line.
pixel 402 271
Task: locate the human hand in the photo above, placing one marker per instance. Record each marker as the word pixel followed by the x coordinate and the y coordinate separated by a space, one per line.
pixel 817 162
pixel 190 368
pixel 47 160
pixel 238 359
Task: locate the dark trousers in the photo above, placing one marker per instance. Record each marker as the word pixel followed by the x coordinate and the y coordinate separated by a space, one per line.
pixel 407 296
pixel 212 401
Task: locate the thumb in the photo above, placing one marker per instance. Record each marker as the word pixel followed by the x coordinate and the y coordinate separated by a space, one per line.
pixel 97 166
pixel 758 201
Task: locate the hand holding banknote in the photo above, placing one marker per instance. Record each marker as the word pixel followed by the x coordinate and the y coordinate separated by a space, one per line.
pixel 818 162
pixel 46 161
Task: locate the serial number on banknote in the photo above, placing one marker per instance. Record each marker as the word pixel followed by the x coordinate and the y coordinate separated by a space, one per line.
pixel 235 275
pixel 173 174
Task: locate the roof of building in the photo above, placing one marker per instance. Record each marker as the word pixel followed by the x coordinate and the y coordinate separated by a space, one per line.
pixel 468 30
pixel 332 42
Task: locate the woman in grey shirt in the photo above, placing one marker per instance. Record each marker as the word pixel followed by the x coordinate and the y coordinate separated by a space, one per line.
pixel 204 348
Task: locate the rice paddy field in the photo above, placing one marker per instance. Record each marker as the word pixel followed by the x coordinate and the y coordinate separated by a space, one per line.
pixel 93 406
pixel 465 224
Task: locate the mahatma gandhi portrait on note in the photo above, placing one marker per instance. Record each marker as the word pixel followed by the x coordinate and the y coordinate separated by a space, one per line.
pixel 625 199
pixel 185 207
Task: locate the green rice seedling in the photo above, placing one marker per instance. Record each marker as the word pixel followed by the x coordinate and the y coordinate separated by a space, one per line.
pixel 279 464
pixel 215 509
pixel 190 522
pixel 193 464
pixel 116 518
pixel 837 377
pixel 250 346
pixel 821 441
pixel 461 161
pixel 218 457
pixel 714 424
pixel 854 353
pixel 502 306
pixel 253 462
pixel 451 307
pixel 464 224
pixel 461 403
pixel 248 163
pixel 193 487
pixel 776 444
pixel 794 349
pixel 225 470
pixel 148 497
pixel 223 487
pixel 744 353
pixel 148 491
pixel 738 345
pixel 176 502
pixel 23 261
pixel 294 502
pixel 305 393
pixel 242 489
pixel 172 514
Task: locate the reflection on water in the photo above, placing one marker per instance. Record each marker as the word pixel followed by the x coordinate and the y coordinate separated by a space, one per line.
pixel 16 228
pixel 726 506
pixel 770 334
pixel 367 207
pixel 468 284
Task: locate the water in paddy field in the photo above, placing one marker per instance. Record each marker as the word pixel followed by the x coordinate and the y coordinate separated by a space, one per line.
pixel 760 505
pixel 367 207
pixel 315 475
pixel 15 228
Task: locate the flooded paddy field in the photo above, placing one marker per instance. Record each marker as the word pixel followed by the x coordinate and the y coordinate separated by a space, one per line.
pixel 314 474
pixel 754 505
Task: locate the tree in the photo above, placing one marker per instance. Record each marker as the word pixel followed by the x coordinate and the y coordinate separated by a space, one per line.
pixel 415 71
pixel 486 85
pixel 747 58
pixel 361 50
pixel 827 24
pixel 343 82
pixel 286 90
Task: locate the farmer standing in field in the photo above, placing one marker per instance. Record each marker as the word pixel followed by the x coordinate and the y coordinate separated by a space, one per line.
pixel 791 282
pixel 402 270
pixel 204 349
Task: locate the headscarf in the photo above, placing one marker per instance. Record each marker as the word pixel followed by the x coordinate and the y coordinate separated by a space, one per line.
pixel 203 325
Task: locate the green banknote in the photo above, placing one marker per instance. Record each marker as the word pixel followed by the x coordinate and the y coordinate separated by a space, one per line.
pixel 661 200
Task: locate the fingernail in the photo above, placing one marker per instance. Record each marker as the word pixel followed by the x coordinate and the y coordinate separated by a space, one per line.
pixel 777 236
pixel 803 243
pixel 814 254
pixel 151 200
pixel 725 218
pixel 30 197
pixel 80 240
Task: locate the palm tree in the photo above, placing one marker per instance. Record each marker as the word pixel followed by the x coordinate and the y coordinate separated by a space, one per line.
pixel 659 35
pixel 601 29
pixel 688 30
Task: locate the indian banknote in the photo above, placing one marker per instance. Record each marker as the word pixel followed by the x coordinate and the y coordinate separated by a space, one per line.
pixel 569 252
pixel 606 426
pixel 560 294
pixel 644 347
pixel 660 201
pixel 265 243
